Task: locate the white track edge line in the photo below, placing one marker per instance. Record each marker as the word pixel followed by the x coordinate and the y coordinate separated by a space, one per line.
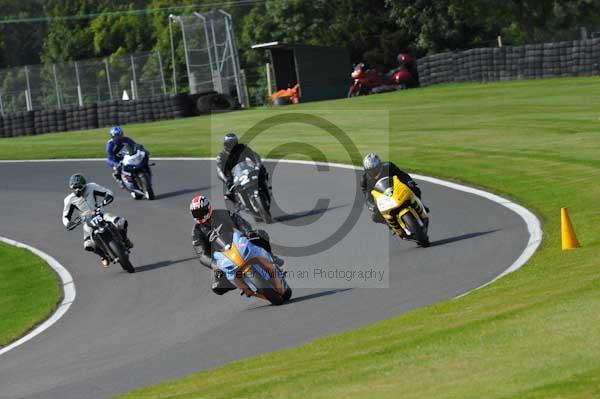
pixel 68 287
pixel 532 222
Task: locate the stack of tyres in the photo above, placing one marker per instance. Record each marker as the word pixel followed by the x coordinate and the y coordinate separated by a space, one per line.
pixel 125 112
pixel 596 56
pixel 508 70
pixel 70 119
pixel 181 105
pixel 6 128
pixel 90 116
pixel 145 110
pixel 38 118
pixel 487 64
pixel 61 123
pixel 161 108
pixel 424 72
pixel 51 120
pixel 551 60
pixel 28 123
pixel 461 60
pixel 108 113
pixel 7 125
pixel 16 125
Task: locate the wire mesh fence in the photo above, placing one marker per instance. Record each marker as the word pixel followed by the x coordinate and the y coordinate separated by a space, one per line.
pixel 79 83
pixel 211 56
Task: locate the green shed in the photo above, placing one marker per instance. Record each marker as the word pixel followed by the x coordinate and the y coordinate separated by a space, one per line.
pixel 322 72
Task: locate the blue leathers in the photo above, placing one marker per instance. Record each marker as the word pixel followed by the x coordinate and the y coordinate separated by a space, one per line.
pixel 113 149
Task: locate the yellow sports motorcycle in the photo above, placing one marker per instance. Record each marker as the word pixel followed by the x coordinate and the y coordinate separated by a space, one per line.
pixel 402 210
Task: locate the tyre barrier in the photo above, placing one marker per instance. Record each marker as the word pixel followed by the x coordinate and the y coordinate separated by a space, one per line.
pixel 108 113
pixel 531 61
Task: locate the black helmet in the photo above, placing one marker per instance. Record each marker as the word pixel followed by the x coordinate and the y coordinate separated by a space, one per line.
pixel 230 141
pixel 77 184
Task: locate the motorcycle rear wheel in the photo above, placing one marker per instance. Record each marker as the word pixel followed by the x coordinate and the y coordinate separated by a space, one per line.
pixel 122 256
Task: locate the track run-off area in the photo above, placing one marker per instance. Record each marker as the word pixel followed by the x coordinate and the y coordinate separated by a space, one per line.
pixel 126 331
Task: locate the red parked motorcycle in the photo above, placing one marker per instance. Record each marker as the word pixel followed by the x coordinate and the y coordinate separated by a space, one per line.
pixel 364 80
pixel 369 81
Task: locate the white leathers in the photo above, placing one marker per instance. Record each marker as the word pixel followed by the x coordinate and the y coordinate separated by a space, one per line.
pixel 87 203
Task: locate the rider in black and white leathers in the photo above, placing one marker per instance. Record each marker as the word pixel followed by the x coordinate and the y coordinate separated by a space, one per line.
pixel 92 196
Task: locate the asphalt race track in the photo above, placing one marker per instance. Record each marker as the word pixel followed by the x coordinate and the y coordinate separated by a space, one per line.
pixel 163 322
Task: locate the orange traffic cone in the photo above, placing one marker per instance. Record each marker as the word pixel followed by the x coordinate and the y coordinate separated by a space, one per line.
pixel 569 240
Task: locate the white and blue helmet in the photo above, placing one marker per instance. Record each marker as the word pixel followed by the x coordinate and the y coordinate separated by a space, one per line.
pixel 372 165
pixel 116 132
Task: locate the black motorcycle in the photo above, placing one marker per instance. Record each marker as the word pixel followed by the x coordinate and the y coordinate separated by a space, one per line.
pixel 249 191
pixel 107 238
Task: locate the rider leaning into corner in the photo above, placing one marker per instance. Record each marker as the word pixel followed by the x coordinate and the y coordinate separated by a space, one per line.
pixel 374 170
pixel 84 199
pixel 113 151
pixel 233 153
pixel 207 220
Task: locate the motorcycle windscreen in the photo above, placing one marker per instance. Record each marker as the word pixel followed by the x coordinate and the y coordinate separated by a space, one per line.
pixel 384 186
pixel 135 160
pixel 246 251
pixel 244 173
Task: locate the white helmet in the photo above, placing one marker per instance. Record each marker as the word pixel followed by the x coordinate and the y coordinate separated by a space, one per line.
pixel 372 165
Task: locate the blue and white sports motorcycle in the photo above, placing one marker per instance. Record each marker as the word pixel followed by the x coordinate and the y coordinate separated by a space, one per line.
pixel 136 173
pixel 250 268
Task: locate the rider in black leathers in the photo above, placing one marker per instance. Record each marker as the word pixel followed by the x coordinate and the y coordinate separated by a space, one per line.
pixel 375 170
pixel 207 220
pixel 232 154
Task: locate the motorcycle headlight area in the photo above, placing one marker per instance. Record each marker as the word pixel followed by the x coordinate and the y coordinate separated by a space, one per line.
pixel 386 203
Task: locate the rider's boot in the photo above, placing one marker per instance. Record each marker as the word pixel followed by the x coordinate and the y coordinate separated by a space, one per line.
pixel 105 262
pixel 220 283
pixel 279 262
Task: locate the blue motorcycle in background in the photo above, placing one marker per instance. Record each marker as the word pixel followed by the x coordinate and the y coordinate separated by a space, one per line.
pixel 136 173
pixel 250 268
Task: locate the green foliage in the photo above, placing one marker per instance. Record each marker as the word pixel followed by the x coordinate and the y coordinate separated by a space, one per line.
pixel 14 38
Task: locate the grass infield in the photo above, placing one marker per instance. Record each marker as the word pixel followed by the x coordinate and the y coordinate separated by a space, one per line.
pixel 533 334
pixel 29 292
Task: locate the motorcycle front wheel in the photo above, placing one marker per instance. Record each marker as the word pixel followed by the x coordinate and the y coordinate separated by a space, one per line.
pixel 122 256
pixel 265 288
pixel 416 229
pixel 263 211
pixel 146 186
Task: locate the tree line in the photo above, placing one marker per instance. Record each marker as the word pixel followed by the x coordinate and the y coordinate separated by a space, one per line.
pixel 374 31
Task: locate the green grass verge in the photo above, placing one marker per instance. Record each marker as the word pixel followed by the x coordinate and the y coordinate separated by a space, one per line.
pixel 29 292
pixel 533 334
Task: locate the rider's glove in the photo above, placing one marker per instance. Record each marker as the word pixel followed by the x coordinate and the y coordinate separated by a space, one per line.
pixel 107 200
